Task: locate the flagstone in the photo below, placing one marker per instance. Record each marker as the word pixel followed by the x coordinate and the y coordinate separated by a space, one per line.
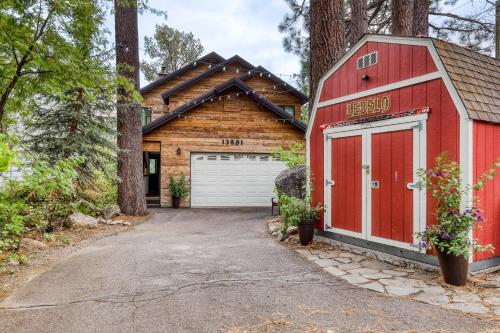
pixel 394 272
pixel 492 300
pixel 343 260
pixel 375 286
pixel 466 298
pixel 401 290
pixel 475 308
pixel 374 264
pixel 362 271
pixel 335 271
pixel 352 265
pixel 376 276
pixel 326 262
pixel 354 279
pixel 435 299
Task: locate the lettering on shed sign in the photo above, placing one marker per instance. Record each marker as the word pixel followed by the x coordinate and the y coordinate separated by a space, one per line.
pixel 371 106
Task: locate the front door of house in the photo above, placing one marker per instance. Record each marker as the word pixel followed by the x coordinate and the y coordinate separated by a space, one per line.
pixel 372 191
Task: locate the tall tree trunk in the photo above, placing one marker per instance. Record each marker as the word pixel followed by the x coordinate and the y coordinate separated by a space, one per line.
pixel 131 196
pixel 421 17
pixel 497 30
pixel 327 42
pixel 359 20
pixel 402 17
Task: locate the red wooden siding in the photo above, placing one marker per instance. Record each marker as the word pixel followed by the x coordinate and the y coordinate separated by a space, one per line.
pixel 395 63
pixel 346 192
pixel 392 202
pixel 442 128
pixel 486 151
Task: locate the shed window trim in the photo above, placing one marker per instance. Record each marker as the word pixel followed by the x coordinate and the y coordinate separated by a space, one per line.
pixel 367 60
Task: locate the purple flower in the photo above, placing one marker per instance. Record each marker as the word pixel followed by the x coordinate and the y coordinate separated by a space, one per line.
pixel 423 244
pixel 438 174
pixel 480 218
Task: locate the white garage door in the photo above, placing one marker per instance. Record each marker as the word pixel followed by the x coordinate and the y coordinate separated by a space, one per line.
pixel 225 180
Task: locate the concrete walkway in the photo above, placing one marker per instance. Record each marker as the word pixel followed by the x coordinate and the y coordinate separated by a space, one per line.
pixel 203 270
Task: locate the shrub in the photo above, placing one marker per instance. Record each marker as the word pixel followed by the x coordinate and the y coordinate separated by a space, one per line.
pixel 178 188
pixel 292 157
pixel 293 210
pixel 451 234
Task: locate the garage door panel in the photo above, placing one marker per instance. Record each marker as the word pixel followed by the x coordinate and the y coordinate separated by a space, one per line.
pixel 225 180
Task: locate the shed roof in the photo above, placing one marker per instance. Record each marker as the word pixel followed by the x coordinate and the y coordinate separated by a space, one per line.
pixel 476 78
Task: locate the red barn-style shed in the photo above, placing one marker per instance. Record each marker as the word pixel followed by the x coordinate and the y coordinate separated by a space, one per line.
pixel 387 108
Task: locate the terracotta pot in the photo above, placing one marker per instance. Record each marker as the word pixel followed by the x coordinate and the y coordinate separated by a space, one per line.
pixel 176 202
pixel 306 231
pixel 454 268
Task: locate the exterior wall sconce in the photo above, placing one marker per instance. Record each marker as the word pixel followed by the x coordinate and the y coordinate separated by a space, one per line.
pixel 178 151
pixel 364 77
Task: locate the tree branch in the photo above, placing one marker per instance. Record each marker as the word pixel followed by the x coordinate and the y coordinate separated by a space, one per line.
pixel 484 25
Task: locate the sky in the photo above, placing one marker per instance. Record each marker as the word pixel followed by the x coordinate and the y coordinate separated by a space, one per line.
pixel 244 27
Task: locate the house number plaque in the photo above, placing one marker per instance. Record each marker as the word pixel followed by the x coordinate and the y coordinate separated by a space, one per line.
pixel 371 106
pixel 232 142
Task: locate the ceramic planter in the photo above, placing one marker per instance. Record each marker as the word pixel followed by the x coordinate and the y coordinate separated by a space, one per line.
pixel 306 231
pixel 454 268
pixel 176 202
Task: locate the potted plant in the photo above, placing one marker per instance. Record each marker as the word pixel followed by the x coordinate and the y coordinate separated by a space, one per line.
pixel 450 236
pixel 298 212
pixel 178 189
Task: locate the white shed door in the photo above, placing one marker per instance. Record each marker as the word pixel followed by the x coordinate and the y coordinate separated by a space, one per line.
pixel 233 180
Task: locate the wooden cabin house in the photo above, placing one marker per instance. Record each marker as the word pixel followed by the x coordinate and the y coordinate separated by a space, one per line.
pixel 217 121
pixel 388 107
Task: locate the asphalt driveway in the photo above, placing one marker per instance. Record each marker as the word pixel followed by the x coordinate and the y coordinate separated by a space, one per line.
pixel 207 270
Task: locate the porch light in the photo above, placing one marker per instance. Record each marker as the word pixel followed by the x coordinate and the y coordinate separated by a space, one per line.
pixel 178 151
pixel 364 77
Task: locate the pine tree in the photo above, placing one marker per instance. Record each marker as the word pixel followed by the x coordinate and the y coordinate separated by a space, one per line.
pixel 421 17
pixel 402 17
pixel 359 20
pixel 131 195
pixel 169 49
pixel 327 37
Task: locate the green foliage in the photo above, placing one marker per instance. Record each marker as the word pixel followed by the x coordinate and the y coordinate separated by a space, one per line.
pixel 292 157
pixel 294 210
pixel 178 188
pixel 6 154
pixel 169 48
pixel 451 233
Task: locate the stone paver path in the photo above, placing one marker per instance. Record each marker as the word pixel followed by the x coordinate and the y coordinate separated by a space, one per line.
pixel 349 263
pixel 420 285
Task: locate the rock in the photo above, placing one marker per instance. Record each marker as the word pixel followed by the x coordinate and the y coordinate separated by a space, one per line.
pixel 14 262
pixel 292 181
pixel 434 299
pixel 275 233
pixel 475 308
pixel 376 276
pixel 281 236
pixel 374 264
pixel 466 298
pixel 354 279
pixel 110 212
pixel 292 230
pixel 115 222
pixel 437 290
pixel 334 271
pixel 307 254
pixel 343 260
pixel 346 267
pixel 394 273
pixel 401 290
pixel 325 262
pixel 375 286
pixel 363 271
pixel 492 300
pixel 79 220
pixel 32 244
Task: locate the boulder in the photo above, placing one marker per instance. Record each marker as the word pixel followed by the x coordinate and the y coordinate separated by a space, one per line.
pixel 110 212
pixel 79 220
pixel 292 181
pixel 32 244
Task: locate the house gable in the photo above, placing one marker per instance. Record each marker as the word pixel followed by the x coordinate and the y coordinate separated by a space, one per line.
pixel 225 88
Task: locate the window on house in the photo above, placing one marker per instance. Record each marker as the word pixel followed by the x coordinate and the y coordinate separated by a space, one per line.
pixel 290 109
pixel 369 59
pixel 146 115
